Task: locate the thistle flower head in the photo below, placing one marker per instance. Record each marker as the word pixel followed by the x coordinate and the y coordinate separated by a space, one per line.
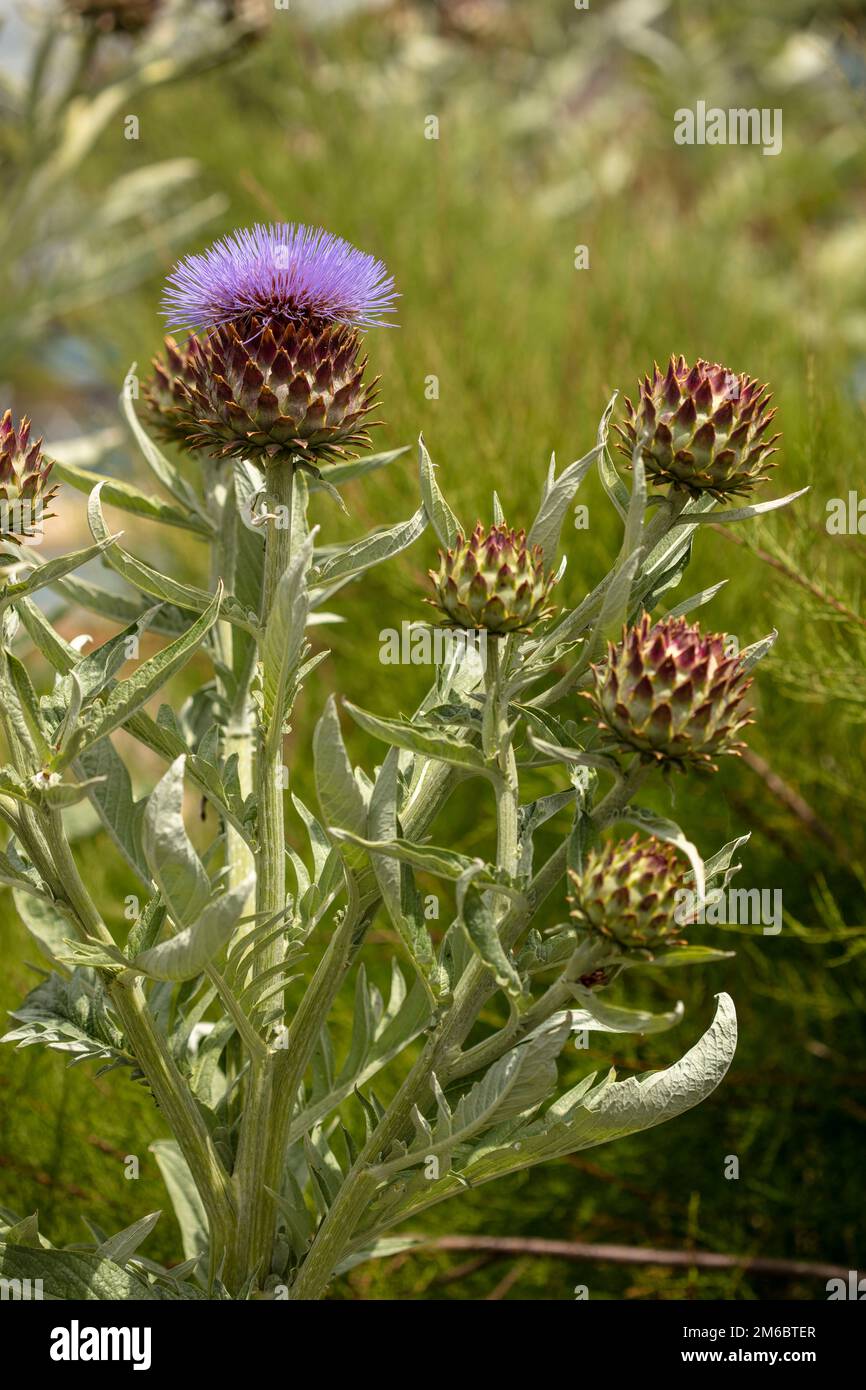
pixel 671 693
pixel 277 373
pixel 492 580
pixel 24 490
pixel 701 429
pixel 283 272
pixel 627 892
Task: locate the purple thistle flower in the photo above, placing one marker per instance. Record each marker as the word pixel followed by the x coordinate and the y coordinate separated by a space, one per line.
pixel 279 273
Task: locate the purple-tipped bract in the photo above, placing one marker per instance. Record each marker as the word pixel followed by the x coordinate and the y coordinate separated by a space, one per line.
pixel 283 272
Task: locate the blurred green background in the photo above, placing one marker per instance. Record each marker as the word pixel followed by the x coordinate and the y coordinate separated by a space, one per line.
pixel 554 130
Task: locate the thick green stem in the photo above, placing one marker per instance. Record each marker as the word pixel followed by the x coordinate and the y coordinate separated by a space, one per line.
pixel 149 1048
pixel 261 1145
pixel 271 857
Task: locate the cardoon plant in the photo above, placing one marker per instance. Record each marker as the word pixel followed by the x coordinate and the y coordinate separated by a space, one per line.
pixel 297 1149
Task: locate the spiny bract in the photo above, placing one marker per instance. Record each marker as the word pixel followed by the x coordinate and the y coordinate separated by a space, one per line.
pixel 671 692
pixel 492 580
pixel 701 429
pixel 24 490
pixel 627 892
pixel 267 392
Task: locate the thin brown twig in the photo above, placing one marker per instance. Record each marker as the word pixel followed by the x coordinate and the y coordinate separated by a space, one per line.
pixel 794 575
pixel 792 800
pixel 632 1254
pixel 506 1284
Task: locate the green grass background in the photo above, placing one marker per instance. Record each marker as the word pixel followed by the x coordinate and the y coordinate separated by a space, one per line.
pixel 555 130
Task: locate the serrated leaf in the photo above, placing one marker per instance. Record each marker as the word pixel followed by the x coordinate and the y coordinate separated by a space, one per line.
pixel 174 865
pixel 128 498
pixel 127 697
pixel 442 518
pixel 340 797
pixel 428 740
pixel 187 1204
pixel 184 956
pixel 76 1275
pixel 558 496
pixel 362 555
pixel 283 642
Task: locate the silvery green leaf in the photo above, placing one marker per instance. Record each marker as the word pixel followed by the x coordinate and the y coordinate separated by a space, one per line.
pixel 47 922
pixel 174 865
pixel 128 696
pixel 374 1047
pixel 184 1196
pixel 69 721
pixel 479 921
pixel 721 863
pixel 164 471
pixel 750 656
pixel 533 815
pixel 698 600
pixel 57 796
pixel 740 513
pixel 283 642
pixel 598 1016
pixel 169 744
pixel 380 545
pixel 340 473
pixel 168 620
pixel 678 957
pixel 442 519
pixel 49 571
pixel 186 955
pixel 57 652
pixel 614 608
pixel 397 884
pixel 558 495
pixel 128 498
pixel 611 481
pixel 380 1250
pixel 574 757
pixel 160 586
pixel 634 520
pixel 669 831
pixel 11 784
pixel 589 1115
pixel 340 797
pixel 432 859
pixel 110 791
pixel 69 1014
pixel 76 1275
pixel 121 1247
pixel 431 741
pixel 23 710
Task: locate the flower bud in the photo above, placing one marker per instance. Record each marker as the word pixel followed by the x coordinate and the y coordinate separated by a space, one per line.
pixel 671 693
pixel 627 892
pixel 493 581
pixel 701 429
pixel 24 490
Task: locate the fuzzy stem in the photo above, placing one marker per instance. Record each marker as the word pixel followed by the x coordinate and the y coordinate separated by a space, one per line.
pixel 169 1087
pixel 271 857
pixel 507 793
pixel 260 1147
